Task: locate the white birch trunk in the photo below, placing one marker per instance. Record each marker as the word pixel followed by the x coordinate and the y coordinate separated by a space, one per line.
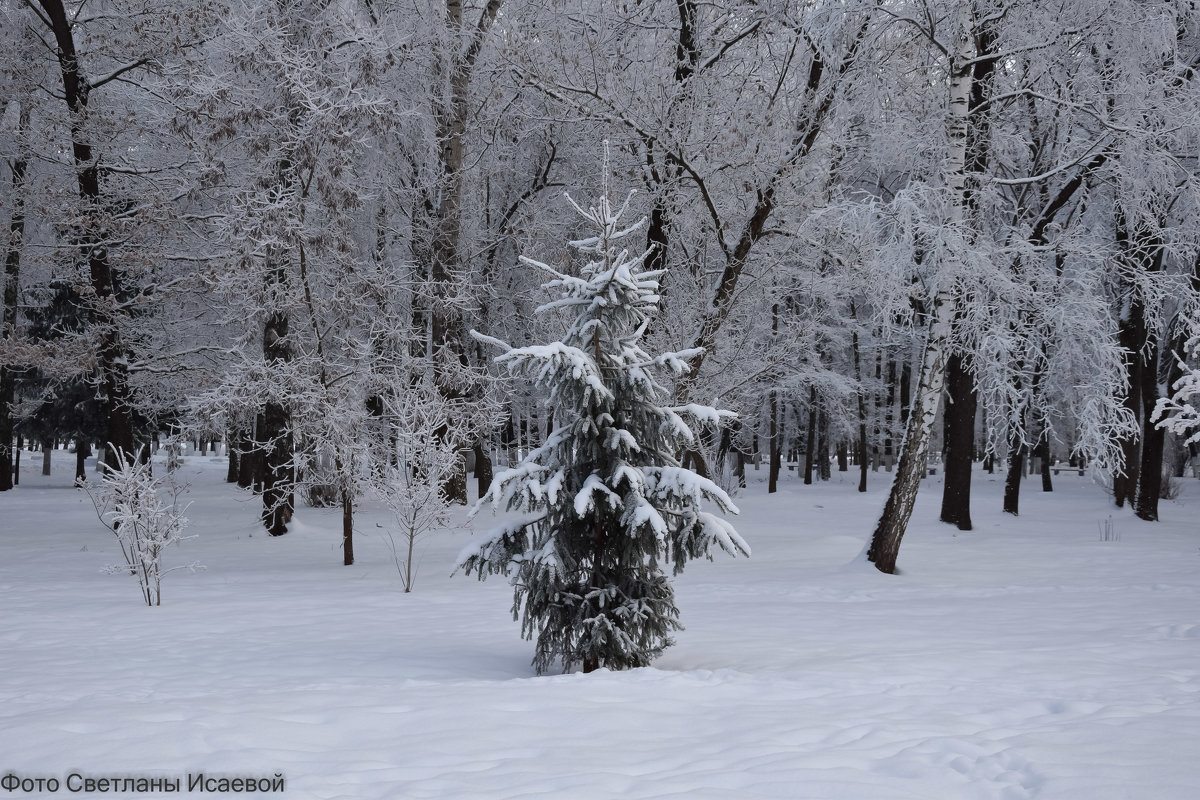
pixel 885 544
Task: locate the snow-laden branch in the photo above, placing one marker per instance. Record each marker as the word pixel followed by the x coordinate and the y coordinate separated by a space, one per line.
pixel 113 75
pixel 1089 152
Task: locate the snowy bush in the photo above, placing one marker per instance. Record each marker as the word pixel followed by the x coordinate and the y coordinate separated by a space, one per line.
pixel 1178 413
pixel 602 505
pixel 129 502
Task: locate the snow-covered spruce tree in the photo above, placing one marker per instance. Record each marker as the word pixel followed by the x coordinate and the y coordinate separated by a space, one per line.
pixel 603 504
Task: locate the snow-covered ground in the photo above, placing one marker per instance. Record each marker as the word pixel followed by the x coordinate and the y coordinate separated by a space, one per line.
pixel 1026 659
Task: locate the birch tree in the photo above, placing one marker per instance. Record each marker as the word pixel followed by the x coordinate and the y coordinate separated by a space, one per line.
pixel 941 294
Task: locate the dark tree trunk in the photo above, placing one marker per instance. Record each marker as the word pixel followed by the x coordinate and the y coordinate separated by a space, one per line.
pixel 1044 454
pixel 483 467
pixel 232 450
pixel 823 446
pixel 274 443
pixel 82 451
pixel 657 238
pixel 843 456
pixel 696 463
pixel 862 413
pixel 1141 249
pixel 810 444
pixel 963 399
pixel 248 465
pixel 46 451
pixel 774 445
pixel 1153 438
pixel 276 469
pixel 455 482
pixel 960 443
pixel 508 438
pixel 723 449
pixel 347 527
pixel 1012 482
pixel 862 457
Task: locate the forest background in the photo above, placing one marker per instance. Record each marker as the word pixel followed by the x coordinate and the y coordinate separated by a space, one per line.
pixel 965 226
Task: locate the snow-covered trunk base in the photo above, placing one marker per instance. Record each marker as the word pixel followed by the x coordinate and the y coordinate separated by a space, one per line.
pixel 885 544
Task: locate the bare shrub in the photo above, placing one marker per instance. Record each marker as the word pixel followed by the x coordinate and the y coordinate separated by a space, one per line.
pixel 130 503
